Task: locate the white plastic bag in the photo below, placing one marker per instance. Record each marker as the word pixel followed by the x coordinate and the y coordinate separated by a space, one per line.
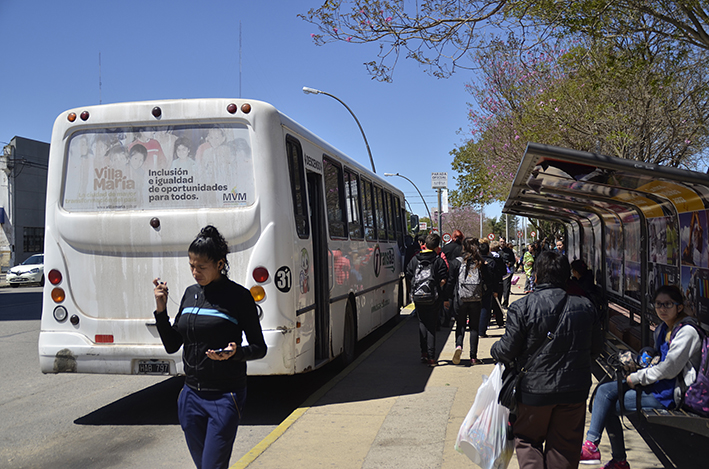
pixel 483 435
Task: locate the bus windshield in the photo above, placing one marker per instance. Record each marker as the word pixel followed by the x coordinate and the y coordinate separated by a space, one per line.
pixel 149 168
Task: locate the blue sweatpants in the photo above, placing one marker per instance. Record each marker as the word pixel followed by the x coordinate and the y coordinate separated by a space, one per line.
pixel 210 420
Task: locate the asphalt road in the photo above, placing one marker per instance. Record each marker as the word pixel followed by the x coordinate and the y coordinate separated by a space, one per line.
pixel 77 421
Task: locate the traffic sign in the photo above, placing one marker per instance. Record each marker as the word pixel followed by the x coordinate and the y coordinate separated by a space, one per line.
pixel 520 234
pixel 491 237
pixel 446 237
pixel 533 234
pixel 439 180
pixel 434 230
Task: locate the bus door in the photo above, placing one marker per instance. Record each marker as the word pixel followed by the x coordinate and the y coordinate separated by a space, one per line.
pixel 320 267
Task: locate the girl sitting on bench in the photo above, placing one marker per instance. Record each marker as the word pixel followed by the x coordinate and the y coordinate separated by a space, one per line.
pixel 680 358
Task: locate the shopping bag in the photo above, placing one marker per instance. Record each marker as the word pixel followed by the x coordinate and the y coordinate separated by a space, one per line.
pixel 483 435
pixel 515 279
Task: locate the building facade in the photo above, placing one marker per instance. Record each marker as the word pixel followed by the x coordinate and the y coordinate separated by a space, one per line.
pixel 23 193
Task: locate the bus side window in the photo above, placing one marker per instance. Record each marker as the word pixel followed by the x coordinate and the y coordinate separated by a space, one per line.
pixel 334 198
pixel 380 213
pixel 398 217
pixel 370 227
pixel 391 230
pixel 353 204
pixel 297 184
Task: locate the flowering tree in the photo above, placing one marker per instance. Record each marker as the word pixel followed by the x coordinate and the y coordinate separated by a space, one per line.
pixel 642 101
pixel 465 219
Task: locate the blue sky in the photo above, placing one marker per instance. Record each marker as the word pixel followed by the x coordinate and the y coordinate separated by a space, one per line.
pixel 185 49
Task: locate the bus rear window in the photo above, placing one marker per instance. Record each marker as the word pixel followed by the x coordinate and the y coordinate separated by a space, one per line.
pixel 147 168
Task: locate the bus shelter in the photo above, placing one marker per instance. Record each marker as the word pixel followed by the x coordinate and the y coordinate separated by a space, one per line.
pixel 636 225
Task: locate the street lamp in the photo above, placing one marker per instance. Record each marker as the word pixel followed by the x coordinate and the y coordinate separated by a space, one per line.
pixel 307 90
pixel 417 190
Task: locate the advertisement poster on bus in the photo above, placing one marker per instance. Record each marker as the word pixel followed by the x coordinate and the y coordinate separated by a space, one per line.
pixel 146 168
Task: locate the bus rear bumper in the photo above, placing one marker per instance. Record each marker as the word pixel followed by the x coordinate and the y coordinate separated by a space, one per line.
pixel 67 352
pixel 71 352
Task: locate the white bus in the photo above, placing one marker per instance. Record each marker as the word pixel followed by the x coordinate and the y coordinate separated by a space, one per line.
pixel 315 236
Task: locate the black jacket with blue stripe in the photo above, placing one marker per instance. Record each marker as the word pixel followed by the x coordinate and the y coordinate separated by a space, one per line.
pixel 210 317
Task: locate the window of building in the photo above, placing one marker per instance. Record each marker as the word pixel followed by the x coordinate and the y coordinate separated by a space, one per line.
pixel 32 239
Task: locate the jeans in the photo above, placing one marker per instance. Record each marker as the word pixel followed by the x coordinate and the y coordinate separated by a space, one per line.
pixel 428 320
pixel 468 310
pixel 606 413
pixel 485 308
pixel 209 420
pixel 506 289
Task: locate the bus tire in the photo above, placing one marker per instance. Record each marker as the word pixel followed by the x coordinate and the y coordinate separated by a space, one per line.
pixel 350 336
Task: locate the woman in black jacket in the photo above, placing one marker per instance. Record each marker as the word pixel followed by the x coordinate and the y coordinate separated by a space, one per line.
pixel 553 390
pixel 213 315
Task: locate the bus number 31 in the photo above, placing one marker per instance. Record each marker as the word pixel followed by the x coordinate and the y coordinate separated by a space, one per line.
pixel 284 280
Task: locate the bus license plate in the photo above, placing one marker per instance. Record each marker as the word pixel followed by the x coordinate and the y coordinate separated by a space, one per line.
pixel 153 367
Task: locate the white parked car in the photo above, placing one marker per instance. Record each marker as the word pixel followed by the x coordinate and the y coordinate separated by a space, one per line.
pixel 30 271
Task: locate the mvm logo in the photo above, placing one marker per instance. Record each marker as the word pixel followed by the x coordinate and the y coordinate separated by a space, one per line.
pixel 234 197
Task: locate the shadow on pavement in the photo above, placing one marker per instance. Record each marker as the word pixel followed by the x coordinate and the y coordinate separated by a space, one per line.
pixel 391 370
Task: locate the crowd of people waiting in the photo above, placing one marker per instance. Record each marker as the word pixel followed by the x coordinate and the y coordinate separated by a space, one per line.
pixel 559 322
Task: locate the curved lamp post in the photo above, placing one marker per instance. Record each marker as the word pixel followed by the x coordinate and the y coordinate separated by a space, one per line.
pixel 417 190
pixel 308 90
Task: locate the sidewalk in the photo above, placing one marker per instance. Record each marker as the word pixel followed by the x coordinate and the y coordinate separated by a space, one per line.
pixel 387 410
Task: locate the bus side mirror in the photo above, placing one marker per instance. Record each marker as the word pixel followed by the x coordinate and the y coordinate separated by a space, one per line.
pixel 414 222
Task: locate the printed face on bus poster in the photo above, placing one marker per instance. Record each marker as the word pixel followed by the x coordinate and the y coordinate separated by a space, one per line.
pixel 146 168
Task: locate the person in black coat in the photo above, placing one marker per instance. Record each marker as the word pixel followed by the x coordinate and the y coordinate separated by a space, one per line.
pixel 508 257
pixel 428 312
pixel 553 390
pixel 493 287
pixel 214 315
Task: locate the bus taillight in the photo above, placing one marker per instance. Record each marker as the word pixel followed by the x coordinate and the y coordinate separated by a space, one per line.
pixel 58 295
pixel 260 274
pixel 54 277
pixel 258 293
pixel 103 338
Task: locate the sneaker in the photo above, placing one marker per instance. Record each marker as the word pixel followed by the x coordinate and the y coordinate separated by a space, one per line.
pixel 475 361
pixel 457 354
pixel 424 358
pixel 432 362
pixel 613 464
pixel 590 453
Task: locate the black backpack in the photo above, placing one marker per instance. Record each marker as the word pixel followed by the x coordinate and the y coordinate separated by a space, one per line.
pixel 425 290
